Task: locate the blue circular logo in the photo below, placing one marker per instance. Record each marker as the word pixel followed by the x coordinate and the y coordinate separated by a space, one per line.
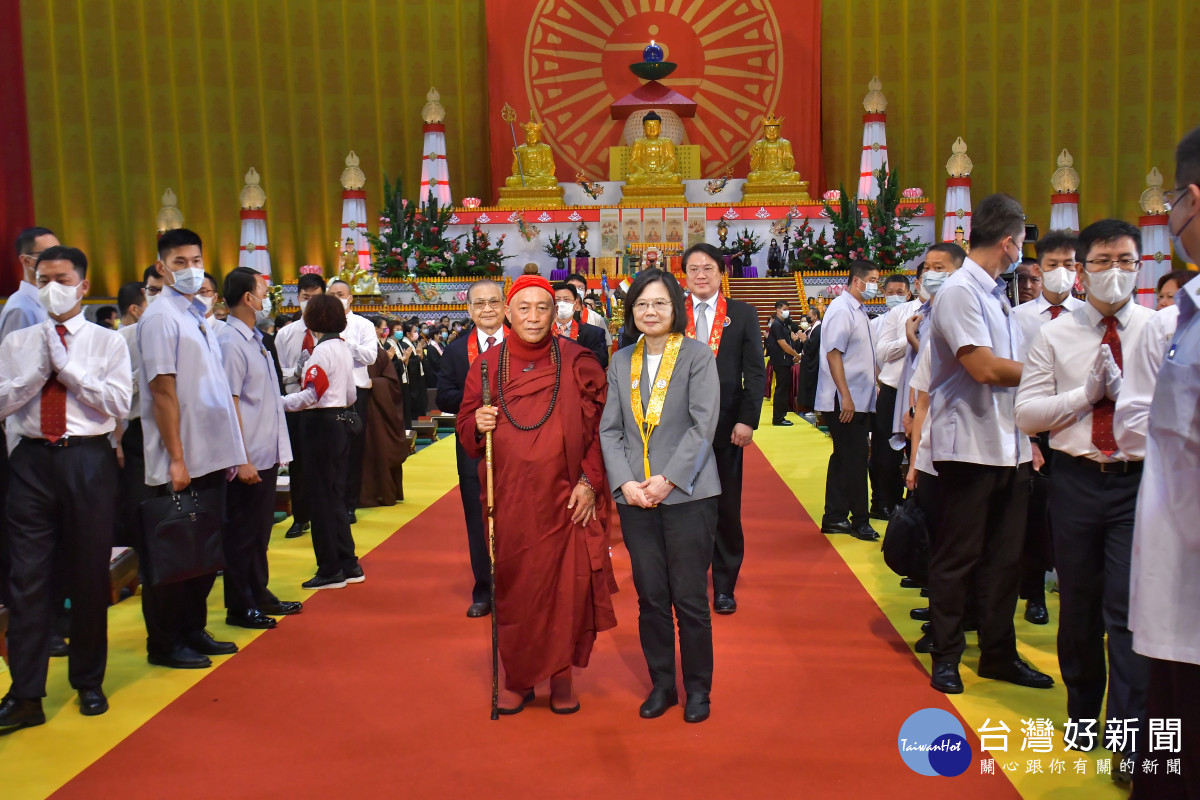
pixel 932 742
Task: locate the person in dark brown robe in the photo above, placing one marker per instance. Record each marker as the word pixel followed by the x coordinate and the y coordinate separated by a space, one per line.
pixel 553 573
pixel 385 448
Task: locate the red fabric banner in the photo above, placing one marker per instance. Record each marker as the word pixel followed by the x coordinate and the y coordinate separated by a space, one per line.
pixel 16 179
pixel 568 62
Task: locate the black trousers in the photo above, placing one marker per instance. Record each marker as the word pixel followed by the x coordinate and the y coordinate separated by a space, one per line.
pixel 670 548
pixel 358 443
pixel 300 511
pixel 887 481
pixel 1036 558
pixel 326 444
pixel 730 545
pixel 249 516
pixel 469 488
pixel 1093 516
pixel 977 535
pixel 174 611
pixel 1172 695
pixel 3 518
pixel 846 478
pixel 64 499
pixel 783 389
pixel 132 485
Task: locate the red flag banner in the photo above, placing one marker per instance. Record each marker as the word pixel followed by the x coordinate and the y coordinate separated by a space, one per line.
pixel 567 62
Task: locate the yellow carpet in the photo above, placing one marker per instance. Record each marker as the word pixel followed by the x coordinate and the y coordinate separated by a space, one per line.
pixel 37 761
pixel 800 455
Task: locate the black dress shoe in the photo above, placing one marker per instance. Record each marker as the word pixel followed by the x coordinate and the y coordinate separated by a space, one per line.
pixel 783 423
pixel 920 614
pixel 924 591
pixel 351 517
pixel 841 526
pixel 59 647
pixel 355 574
pixel 296 531
pixel 1018 672
pixel 180 657
pixel 724 604
pixel 945 678
pixel 92 702
pixel 658 701
pixel 253 619
pixel 909 583
pixel 202 642
pixel 864 531
pixel 16 713
pixel 281 608
pixel 924 644
pixel 1036 613
pixel 696 707
pixel 479 610
pixel 882 513
pixel 926 627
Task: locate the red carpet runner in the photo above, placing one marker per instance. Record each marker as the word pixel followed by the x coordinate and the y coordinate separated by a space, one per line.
pixel 381 690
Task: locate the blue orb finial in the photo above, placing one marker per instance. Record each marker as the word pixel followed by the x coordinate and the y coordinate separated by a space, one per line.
pixel 653 52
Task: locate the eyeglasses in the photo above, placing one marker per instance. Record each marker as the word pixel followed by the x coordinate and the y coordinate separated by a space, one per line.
pixel 1172 197
pixel 152 290
pixel 660 306
pixel 479 305
pixel 698 271
pixel 1127 264
pixel 207 293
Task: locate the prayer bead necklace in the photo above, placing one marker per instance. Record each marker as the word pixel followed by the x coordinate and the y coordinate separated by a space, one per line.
pixel 504 372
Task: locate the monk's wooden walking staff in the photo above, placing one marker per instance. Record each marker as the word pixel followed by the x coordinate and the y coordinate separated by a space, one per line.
pixel 491 521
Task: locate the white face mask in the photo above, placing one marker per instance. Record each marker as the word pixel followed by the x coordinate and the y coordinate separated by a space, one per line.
pixel 303 304
pixel 932 281
pixel 894 300
pixel 1058 280
pixel 346 304
pixel 565 309
pixel 265 312
pixel 805 325
pixel 1112 285
pixel 208 303
pixel 57 298
pixel 784 314
pixel 150 298
pixel 189 280
pixel 871 291
pixel 922 292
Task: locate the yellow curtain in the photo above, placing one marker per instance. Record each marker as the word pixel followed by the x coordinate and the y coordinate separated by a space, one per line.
pixel 128 97
pixel 1019 80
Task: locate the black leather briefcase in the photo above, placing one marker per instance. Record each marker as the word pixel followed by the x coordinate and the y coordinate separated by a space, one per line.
pixel 181 535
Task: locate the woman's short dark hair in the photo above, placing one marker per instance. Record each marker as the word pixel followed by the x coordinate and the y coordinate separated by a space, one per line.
pixel 708 250
pixel 678 303
pixel 325 314
pixel 1180 277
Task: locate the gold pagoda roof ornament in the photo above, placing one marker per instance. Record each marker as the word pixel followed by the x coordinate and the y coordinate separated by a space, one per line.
pixel 1153 200
pixel 433 112
pixel 353 177
pixel 169 216
pixel 959 165
pixel 252 197
pixel 875 102
pixel 1065 179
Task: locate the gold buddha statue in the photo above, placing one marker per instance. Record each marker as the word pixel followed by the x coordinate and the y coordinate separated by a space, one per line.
pixel 652 160
pixel 773 167
pixel 532 161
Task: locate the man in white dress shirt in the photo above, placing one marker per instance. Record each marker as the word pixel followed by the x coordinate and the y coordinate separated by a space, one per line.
pixel 891 345
pixel 1164 591
pixel 1056 259
pixel 191 438
pixel 982 459
pixel 1069 386
pixel 64 383
pixel 846 400
pixel 363 343
pixel 131 302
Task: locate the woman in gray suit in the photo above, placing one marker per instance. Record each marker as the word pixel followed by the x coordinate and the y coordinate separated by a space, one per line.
pixel 656 435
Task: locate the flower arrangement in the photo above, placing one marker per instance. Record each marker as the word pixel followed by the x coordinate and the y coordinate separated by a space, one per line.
pixel 889 226
pixel 813 253
pixel 559 247
pixel 392 247
pixel 849 241
pixel 747 244
pixel 476 256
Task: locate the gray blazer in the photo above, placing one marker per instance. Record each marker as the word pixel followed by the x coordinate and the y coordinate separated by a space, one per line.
pixel 681 445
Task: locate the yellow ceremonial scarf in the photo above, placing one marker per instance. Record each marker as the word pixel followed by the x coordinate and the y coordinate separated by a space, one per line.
pixel 653 414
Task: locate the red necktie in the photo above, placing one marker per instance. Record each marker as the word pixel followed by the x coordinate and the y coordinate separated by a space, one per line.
pixel 1102 412
pixel 308 344
pixel 54 401
pixel 491 340
pixel 1055 311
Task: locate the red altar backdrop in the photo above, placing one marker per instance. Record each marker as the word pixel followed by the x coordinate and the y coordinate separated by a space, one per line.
pixel 16 180
pixel 568 61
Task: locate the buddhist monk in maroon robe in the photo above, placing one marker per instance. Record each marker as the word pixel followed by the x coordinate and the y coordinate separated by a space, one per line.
pixel 553 573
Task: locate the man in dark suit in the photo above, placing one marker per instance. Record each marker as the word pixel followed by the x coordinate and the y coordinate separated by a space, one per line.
pixel 568 322
pixel 730 328
pixel 485 302
pixel 782 355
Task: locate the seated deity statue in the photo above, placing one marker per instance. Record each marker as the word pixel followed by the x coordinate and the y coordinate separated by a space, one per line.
pixel 652 160
pixel 534 160
pixel 771 159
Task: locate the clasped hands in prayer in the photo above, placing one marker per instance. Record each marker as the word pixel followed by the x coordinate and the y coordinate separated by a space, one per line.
pixel 647 494
pixel 1104 380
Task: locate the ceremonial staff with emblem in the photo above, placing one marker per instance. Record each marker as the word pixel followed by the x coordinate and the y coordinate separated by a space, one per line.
pixel 657 435
pixel 730 328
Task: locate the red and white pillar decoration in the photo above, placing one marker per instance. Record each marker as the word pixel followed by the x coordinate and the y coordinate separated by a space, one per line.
pixel 874 149
pixel 1064 203
pixel 1156 239
pixel 957 215
pixel 354 210
pixel 252 252
pixel 435 172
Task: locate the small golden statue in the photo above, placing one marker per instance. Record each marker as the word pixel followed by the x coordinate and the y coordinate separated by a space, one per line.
pixel 533 183
pixel 773 173
pixel 360 281
pixel 652 160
